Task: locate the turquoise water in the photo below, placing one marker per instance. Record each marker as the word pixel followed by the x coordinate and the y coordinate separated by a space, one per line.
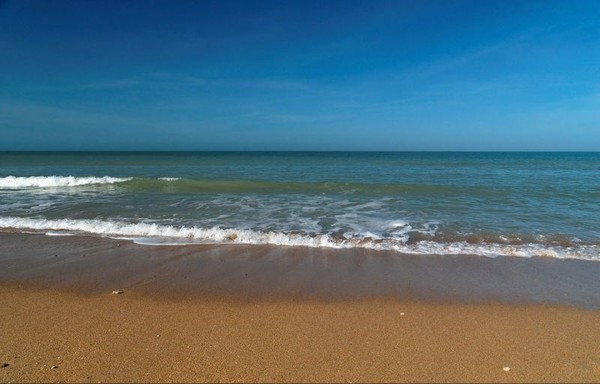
pixel 489 204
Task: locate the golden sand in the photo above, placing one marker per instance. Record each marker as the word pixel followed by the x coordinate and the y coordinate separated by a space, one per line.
pixel 132 337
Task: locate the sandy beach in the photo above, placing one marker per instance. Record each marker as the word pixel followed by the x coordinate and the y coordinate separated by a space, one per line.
pixel 304 191
pixel 59 311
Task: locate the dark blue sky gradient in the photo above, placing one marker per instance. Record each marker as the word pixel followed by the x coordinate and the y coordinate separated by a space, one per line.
pixel 299 75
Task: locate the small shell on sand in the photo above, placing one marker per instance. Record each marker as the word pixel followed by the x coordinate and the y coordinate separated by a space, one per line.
pixel 54 367
pixel 117 292
pixel 401 313
pixel 506 369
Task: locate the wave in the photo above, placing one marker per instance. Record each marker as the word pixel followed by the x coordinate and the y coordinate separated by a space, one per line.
pixel 14 182
pixel 157 234
pixel 185 185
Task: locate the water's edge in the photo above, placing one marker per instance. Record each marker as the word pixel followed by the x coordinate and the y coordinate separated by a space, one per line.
pixel 100 265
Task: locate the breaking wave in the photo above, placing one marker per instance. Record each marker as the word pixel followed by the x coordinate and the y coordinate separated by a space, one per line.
pixel 238 186
pixel 157 234
pixel 14 182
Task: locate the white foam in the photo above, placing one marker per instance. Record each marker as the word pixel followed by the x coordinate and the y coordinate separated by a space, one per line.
pixel 158 241
pixel 52 233
pixel 172 235
pixel 12 182
pixel 169 178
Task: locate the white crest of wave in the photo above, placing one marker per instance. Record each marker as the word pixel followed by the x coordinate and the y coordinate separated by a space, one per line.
pixel 218 235
pixel 208 235
pixel 11 182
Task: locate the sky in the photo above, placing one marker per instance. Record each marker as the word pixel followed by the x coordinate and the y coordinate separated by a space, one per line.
pixel 300 75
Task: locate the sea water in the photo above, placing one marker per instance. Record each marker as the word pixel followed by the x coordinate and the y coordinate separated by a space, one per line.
pixel 488 204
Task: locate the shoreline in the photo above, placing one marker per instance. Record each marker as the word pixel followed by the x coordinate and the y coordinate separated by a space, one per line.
pixel 266 314
pixel 93 265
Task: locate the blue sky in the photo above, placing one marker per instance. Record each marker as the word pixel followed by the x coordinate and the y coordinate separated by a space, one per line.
pixel 299 75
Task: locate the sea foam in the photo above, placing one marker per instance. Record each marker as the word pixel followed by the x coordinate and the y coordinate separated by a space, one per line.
pixel 12 182
pixel 140 232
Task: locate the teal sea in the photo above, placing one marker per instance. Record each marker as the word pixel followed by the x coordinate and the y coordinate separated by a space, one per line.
pixel 488 204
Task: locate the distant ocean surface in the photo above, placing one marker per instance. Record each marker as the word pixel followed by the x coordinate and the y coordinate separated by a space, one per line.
pixel 488 204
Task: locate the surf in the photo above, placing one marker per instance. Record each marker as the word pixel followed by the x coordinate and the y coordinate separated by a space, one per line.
pixel 158 234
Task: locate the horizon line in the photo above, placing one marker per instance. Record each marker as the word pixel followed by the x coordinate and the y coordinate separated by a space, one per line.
pixel 293 151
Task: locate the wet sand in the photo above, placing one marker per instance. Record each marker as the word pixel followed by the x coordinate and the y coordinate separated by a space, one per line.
pixel 221 313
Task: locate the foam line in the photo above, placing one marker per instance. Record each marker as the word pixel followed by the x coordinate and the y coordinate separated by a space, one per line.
pixel 11 182
pixel 218 235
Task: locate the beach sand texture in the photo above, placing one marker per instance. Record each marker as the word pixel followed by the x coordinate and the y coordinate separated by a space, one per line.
pixel 58 310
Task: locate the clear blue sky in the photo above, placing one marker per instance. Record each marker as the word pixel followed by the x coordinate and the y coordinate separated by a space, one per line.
pixel 299 75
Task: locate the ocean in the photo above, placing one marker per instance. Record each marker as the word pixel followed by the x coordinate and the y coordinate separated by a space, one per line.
pixel 446 203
